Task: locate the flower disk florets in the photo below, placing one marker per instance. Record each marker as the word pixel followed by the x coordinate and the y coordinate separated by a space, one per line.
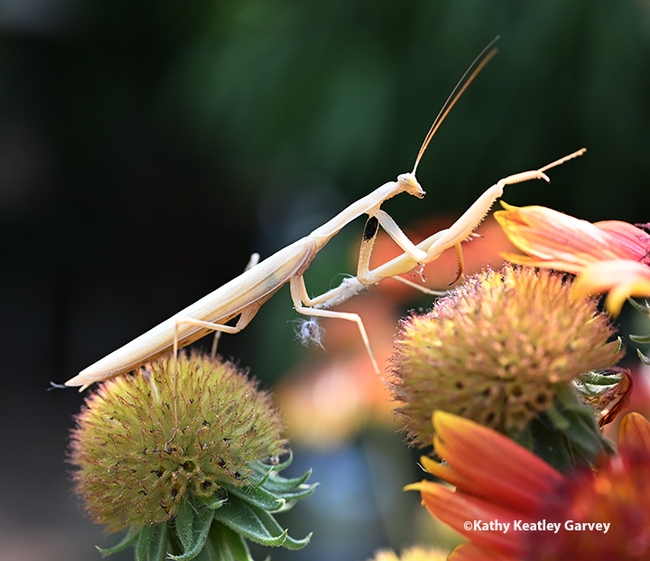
pixel 495 349
pixel 141 443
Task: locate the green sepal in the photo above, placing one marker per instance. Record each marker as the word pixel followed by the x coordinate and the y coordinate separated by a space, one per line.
pixel 152 543
pixel 192 526
pixel 644 359
pixel 126 541
pixel 281 486
pixel 257 496
pixel 567 434
pixel 215 528
pixel 263 471
pixel 256 525
pixel 277 466
pixel 214 501
pixel 266 476
pixel 577 423
pixel 597 382
pixel 298 493
pixel 583 433
pixel 550 444
pixel 645 308
pixel 641 339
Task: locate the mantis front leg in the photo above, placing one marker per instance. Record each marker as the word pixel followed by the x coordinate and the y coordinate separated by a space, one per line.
pixel 434 246
pixel 458 232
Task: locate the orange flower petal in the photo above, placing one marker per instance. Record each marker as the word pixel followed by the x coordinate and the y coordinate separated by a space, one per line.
pixel 462 512
pixel 559 241
pixel 503 470
pixel 450 475
pixel 621 277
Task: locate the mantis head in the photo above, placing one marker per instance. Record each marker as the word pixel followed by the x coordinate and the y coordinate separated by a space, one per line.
pixel 409 184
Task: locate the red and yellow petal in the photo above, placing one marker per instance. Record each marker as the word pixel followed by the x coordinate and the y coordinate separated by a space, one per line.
pixel 501 468
pixel 555 240
pixel 553 237
pixel 621 277
pixel 460 511
pixel 634 241
pixel 634 436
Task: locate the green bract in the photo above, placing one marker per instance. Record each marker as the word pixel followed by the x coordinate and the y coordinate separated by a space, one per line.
pixel 216 528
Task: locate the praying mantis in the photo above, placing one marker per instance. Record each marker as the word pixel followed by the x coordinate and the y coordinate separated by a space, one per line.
pixel 241 298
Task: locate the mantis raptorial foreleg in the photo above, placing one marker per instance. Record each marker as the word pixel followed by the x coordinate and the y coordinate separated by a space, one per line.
pixel 434 246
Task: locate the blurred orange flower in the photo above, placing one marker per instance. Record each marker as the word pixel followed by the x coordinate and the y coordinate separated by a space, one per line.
pixel 608 256
pixel 513 506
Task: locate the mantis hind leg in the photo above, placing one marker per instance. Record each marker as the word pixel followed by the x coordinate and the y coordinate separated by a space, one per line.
pixel 246 315
pixel 254 260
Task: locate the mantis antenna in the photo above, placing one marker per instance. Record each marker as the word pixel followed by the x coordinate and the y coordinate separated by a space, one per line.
pixel 465 80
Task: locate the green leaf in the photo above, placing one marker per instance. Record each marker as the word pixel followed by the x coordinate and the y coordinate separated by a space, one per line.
pixel 152 543
pixel 257 496
pixel 126 541
pixel 192 525
pixel 256 525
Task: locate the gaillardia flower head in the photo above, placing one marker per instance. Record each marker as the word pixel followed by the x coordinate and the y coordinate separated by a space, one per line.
pixel 608 256
pixel 142 445
pixel 512 506
pixel 496 349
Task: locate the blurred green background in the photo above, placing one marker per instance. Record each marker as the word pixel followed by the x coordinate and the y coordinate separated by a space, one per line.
pixel 148 148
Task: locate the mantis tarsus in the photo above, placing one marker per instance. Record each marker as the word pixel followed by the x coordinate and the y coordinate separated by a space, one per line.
pixel 242 297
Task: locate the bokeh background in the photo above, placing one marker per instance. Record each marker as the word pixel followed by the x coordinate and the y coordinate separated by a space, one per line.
pixel 148 148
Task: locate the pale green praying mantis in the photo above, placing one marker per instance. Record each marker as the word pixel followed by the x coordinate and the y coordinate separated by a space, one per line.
pixel 242 297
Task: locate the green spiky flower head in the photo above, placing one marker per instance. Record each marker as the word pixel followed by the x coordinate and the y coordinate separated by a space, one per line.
pixel 497 350
pixel 141 444
pixel 187 456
